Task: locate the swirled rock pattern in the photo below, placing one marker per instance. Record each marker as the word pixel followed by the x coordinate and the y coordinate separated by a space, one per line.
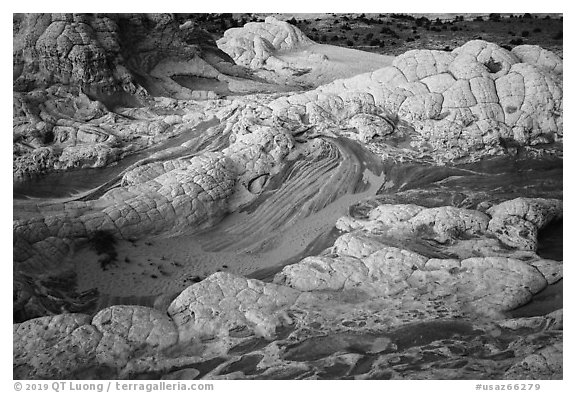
pixel 170 197
pixel 362 282
pixel 74 72
pixel 404 290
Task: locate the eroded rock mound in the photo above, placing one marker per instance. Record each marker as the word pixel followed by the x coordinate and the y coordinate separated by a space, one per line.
pixel 108 53
pixel 477 100
pixel 74 72
pixel 170 197
pixel 361 302
pixel 402 286
pixel 255 44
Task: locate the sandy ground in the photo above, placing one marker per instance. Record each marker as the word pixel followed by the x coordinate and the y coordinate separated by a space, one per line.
pixel 340 62
pixel 318 64
pixel 166 265
pixel 155 266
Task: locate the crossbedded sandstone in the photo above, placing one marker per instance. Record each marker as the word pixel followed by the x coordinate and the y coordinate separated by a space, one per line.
pixel 375 297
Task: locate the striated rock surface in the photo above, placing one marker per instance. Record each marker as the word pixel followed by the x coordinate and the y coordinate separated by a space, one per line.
pixel 76 76
pixel 361 304
pixel 171 197
pixel 414 283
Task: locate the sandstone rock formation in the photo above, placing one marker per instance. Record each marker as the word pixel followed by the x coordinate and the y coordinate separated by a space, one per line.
pixel 517 222
pixel 278 51
pixel 170 197
pixel 477 100
pixel 405 290
pixel 109 53
pixel 254 44
pixel 361 269
pixel 75 75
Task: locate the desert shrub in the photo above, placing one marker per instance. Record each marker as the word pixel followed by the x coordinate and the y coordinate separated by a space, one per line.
pixel 402 16
pixel 537 30
pixel 104 243
pixel 478 19
pixel 511 33
pixel 525 33
pixel 334 38
pixel 516 41
pixel 349 43
pixel 558 35
pixel 494 17
pixel 454 28
pixel 390 32
pixel 375 42
pixel 422 21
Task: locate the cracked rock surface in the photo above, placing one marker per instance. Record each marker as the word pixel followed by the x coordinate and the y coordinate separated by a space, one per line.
pixel 228 317
pixel 389 266
pixel 480 99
